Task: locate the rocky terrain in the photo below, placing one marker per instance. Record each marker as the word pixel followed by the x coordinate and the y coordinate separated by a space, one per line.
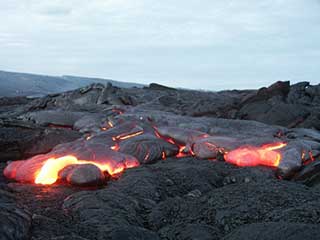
pixel 13 84
pixel 162 163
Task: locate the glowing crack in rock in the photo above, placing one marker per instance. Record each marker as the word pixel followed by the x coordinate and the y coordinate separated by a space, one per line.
pixel 249 156
pixel 163 156
pixel 116 147
pixel 127 136
pixel 183 150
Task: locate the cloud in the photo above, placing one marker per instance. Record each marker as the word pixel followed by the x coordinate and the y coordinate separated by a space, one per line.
pixel 239 43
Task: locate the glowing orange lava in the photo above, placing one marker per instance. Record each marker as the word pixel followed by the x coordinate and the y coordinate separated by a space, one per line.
pixel 307 159
pixel 183 153
pixel 127 136
pixel 147 156
pixel 168 139
pixel 110 124
pixel 88 137
pixel 48 174
pixel 249 156
pixel 116 147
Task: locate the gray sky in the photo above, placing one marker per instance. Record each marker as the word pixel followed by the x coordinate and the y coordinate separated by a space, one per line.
pixel 207 44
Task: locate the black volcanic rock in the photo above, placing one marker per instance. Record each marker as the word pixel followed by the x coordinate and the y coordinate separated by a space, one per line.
pixel 23 142
pixel 86 175
pixel 59 118
pixel 24 84
pixel 193 197
pixel 276 230
pixel 279 88
pixel 15 223
pixel 156 86
pixel 190 231
pixel 148 148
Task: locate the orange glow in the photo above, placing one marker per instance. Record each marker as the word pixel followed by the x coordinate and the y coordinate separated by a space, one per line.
pixel 147 156
pixel 132 164
pixel 307 159
pixel 274 146
pixel 182 152
pixel 48 174
pixel 254 156
pixel 182 149
pixel 88 137
pixel 115 147
pixel 169 140
pixel 124 137
pixel 156 133
pixel 11 170
pixel 311 156
pixel 211 145
pixel 110 124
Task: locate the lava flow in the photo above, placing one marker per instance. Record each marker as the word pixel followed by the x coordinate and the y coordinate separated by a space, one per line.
pixel 183 150
pixel 250 156
pixel 50 170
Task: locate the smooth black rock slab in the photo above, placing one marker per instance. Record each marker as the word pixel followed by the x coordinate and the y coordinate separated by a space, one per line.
pixel 86 175
pixel 180 135
pixel 90 123
pixel 55 117
pixel 211 146
pixel 148 148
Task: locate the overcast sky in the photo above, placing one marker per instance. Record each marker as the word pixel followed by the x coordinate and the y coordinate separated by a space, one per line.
pixel 207 44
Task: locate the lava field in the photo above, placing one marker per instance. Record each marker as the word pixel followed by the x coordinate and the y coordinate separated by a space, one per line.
pixel 103 162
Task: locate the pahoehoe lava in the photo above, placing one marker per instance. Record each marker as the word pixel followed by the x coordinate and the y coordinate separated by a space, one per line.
pixel 104 162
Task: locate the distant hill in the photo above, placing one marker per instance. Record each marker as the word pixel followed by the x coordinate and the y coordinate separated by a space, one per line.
pixel 25 84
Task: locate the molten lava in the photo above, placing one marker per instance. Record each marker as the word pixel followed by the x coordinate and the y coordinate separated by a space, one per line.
pixel 127 136
pixel 48 174
pixel 307 158
pixel 167 139
pixel 110 124
pixel 249 156
pixel 182 152
pixel 116 147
